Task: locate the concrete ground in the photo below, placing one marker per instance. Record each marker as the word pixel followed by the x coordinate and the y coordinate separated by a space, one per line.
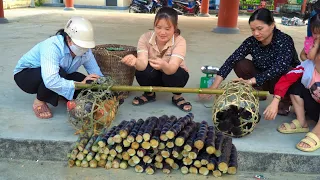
pixel 29 170
pixel 264 150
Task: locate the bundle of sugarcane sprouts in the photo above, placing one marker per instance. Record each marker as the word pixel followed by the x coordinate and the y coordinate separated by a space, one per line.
pixel 164 143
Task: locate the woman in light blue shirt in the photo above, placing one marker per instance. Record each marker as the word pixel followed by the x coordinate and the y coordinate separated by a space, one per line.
pixel 49 69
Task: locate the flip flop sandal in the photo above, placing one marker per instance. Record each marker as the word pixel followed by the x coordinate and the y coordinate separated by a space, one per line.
pixel 181 106
pixel 142 102
pixel 313 145
pixel 289 130
pixel 42 109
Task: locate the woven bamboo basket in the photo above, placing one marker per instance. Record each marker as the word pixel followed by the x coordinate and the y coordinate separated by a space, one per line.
pixel 94 110
pixel 108 57
pixel 235 113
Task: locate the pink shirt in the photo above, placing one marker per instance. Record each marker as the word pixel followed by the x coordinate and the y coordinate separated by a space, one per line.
pixel 176 47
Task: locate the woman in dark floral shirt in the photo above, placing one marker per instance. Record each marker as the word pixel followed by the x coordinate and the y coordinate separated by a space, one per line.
pixel 273 54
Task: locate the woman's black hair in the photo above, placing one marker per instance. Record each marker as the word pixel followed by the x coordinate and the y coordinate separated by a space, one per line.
pixel 168 14
pixel 262 14
pixel 64 34
pixel 315 22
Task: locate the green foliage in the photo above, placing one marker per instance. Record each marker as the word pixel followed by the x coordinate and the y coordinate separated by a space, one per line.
pixel 38 2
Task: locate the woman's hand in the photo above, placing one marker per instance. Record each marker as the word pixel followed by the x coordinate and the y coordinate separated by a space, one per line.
pixel 129 60
pixel 156 63
pixel 272 110
pixel 92 77
pixel 251 81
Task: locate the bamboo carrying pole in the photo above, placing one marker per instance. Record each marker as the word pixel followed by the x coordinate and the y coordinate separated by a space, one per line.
pixel 162 89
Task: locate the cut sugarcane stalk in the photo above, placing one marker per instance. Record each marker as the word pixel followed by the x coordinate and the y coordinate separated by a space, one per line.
pixel 170 143
pixel 166 168
pixel 193 154
pixel 169 161
pixel 131 152
pixel 102 163
pixel 166 152
pixel 176 151
pixel 179 125
pixel 187 161
pixel 78 163
pixel 131 137
pixel 113 152
pixel 103 157
pixel 108 165
pixel 166 127
pixel 146 145
pixel 204 171
pixel 123 165
pixel 84 163
pixel 119 148
pixel 161 146
pixel 139 137
pixel 90 156
pixel 233 162
pixel 150 169
pixel 184 170
pixel 149 129
pixel 116 163
pixel 93 163
pixel 97 157
pixel 103 141
pixel 110 158
pixel 159 158
pixel 126 143
pixel 87 148
pixel 184 134
pixel 131 163
pixel 193 170
pixel 136 159
pixel 197 163
pixel 158 165
pixel 139 168
pixel 135 145
pixel 223 160
pixel 127 128
pixel 218 143
pixel 141 152
pixel 80 156
pixel 201 135
pixel 175 166
pixel 71 162
pixel 125 156
pixel 119 156
pixel 210 141
pixel 189 143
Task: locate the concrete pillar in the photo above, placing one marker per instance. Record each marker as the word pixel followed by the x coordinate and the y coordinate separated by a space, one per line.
pixel 2 19
pixel 32 4
pixel 228 17
pixel 204 11
pixel 304 6
pixel 69 5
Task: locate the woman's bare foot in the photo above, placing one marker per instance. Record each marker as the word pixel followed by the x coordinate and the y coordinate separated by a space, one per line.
pixel 41 109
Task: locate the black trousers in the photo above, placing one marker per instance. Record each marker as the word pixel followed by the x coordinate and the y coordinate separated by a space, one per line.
pixel 30 81
pixel 311 107
pixel 152 77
